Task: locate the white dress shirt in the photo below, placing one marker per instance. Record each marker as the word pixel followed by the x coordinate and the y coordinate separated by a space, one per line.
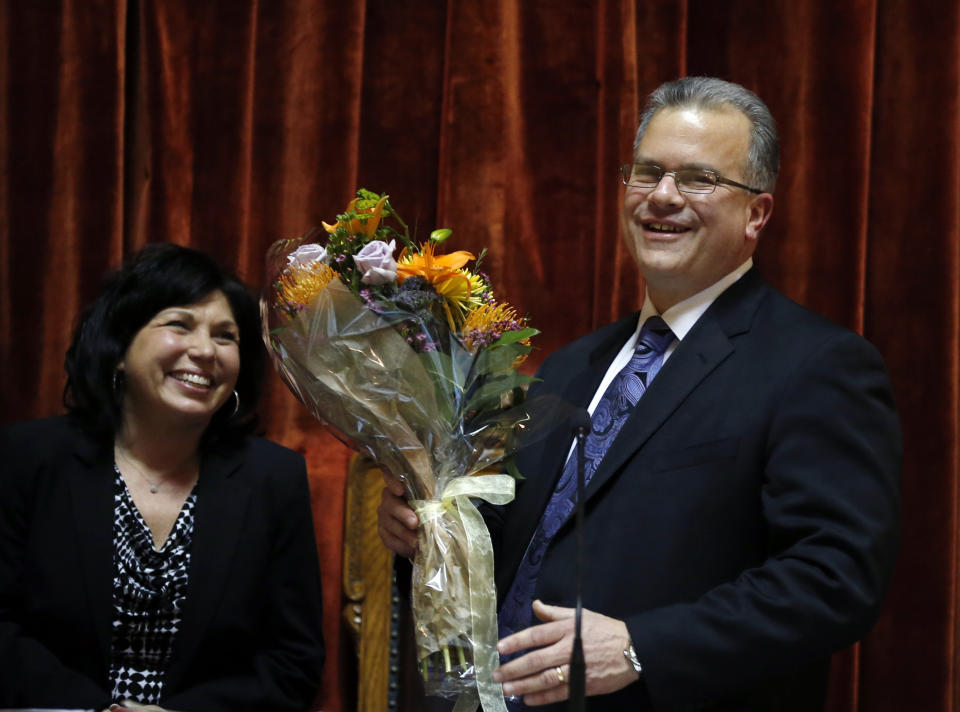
pixel 680 318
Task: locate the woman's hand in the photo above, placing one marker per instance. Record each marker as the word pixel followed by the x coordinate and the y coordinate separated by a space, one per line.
pixel 397 521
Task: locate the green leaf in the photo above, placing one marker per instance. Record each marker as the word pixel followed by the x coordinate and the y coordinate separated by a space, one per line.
pixel 448 383
pixel 510 337
pixel 510 465
pixel 440 366
pixel 495 359
pixel 487 396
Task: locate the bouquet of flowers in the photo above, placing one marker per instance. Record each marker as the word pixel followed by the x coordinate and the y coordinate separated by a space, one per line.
pixel 413 361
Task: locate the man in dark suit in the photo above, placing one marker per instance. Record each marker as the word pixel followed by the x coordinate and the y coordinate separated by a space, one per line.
pixel 742 508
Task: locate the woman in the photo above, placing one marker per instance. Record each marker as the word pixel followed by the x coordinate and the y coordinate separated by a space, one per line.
pixel 152 552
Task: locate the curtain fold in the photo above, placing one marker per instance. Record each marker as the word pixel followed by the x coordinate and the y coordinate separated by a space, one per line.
pixel 912 314
pixel 63 76
pixel 228 124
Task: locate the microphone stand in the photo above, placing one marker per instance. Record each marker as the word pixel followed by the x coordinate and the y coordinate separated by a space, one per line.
pixel 578 668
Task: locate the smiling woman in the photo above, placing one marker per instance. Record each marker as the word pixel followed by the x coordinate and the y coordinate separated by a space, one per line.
pixel 166 291
pixel 153 481
pixel 182 366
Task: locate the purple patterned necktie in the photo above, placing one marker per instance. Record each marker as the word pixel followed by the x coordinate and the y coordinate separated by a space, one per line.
pixel 609 416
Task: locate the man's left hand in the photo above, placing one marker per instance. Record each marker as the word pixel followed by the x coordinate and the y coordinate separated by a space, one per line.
pixel 131 706
pixel 535 676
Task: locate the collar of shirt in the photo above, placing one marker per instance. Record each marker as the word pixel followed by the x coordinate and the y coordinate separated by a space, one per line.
pixel 680 318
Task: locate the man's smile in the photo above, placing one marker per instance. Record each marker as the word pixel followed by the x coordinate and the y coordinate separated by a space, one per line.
pixel 664 227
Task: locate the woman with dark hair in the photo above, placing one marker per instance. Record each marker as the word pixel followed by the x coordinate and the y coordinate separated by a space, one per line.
pixel 153 553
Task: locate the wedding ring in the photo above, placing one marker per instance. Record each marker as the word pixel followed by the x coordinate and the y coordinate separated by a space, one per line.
pixel 560 677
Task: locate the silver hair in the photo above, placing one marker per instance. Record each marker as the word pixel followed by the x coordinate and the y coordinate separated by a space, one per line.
pixel 763 157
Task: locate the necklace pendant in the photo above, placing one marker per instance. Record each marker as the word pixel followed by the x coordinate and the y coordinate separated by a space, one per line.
pixel 154 489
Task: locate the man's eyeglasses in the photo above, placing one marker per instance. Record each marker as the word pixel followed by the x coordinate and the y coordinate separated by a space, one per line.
pixel 688 180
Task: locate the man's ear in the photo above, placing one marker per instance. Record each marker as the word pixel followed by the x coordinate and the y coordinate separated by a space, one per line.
pixel 758 212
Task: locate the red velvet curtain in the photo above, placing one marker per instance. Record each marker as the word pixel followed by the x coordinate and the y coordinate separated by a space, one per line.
pixel 227 124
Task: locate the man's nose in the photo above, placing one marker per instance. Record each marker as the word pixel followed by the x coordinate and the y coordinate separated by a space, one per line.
pixel 665 192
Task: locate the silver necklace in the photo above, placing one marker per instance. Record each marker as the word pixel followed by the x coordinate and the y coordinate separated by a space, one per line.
pixel 154 486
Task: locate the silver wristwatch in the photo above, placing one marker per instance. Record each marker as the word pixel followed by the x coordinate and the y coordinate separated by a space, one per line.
pixel 631 655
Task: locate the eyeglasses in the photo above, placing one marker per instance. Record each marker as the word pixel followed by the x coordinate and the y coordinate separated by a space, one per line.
pixel 688 180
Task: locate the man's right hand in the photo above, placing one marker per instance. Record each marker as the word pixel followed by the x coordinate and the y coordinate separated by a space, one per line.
pixel 397 521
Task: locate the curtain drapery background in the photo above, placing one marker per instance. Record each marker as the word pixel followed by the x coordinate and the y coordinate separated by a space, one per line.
pixel 227 124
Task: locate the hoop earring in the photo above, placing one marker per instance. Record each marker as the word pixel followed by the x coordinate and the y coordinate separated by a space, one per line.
pixel 236 404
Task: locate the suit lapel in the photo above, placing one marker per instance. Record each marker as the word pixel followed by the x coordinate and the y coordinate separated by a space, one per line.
pixel 221 504
pixel 706 346
pixel 578 387
pixel 687 367
pixel 91 494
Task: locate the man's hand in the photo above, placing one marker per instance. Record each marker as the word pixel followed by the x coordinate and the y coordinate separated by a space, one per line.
pixel 534 675
pixel 397 521
pixel 131 706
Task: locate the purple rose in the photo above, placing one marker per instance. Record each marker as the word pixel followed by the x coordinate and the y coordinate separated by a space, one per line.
pixel 307 254
pixel 376 262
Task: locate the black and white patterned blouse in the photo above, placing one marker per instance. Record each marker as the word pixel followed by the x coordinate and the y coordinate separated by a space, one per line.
pixel 149 588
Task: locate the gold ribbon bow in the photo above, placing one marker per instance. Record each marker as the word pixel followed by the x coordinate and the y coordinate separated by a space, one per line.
pixel 455 502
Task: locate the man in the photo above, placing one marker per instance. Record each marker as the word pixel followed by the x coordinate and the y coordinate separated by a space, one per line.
pixel 742 512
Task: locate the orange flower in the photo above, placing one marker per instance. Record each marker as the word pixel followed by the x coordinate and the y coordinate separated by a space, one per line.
pixel 359 226
pixel 436 269
pixel 444 273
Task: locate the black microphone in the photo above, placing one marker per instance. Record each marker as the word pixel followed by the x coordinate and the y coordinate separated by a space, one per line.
pixel 580 424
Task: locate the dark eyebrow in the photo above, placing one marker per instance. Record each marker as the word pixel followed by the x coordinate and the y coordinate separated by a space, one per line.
pixel 167 311
pixel 187 312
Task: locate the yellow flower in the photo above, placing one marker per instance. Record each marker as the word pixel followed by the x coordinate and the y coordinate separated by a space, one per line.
pixel 478 288
pixel 299 284
pixel 487 317
pixel 488 322
pixel 358 225
pixel 456 289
